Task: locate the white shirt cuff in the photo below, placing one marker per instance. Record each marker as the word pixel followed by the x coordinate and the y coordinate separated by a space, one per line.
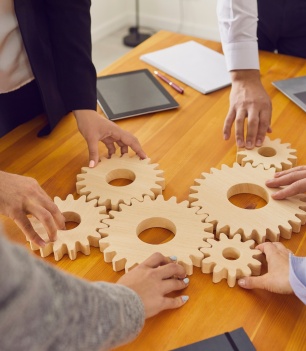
pixel 297 276
pixel 242 55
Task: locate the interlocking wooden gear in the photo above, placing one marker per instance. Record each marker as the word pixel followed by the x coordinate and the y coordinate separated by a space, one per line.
pixel 277 218
pixel 231 259
pixel 79 239
pixel 122 246
pixel 146 178
pixel 271 154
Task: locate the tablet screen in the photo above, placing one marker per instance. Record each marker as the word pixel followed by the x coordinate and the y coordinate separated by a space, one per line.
pixel 131 94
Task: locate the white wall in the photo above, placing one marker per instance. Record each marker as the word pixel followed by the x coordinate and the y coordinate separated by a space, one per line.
pixel 194 17
pixel 107 16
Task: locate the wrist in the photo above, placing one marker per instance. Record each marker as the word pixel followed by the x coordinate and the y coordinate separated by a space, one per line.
pixel 244 75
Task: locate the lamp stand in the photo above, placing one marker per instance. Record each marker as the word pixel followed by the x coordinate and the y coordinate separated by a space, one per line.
pixel 135 38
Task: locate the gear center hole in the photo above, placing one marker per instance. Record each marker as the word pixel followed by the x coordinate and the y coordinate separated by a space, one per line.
pixel 266 151
pixel 156 230
pixel 230 253
pixel 248 196
pixel 120 177
pixel 72 220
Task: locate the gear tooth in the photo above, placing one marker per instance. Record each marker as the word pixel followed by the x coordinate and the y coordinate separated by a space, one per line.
pixel 47 250
pixel 224 167
pixel 115 156
pixel 223 236
pixel 237 237
pixel 126 155
pixel 93 240
pixel 231 277
pixel 207 265
pixel 194 189
pixel 108 253
pixel 57 199
pixel 172 200
pixel 250 243
pixel 84 169
pixel 255 267
pixel 130 264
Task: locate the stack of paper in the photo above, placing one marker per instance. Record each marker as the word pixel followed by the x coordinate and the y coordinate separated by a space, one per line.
pixel 193 64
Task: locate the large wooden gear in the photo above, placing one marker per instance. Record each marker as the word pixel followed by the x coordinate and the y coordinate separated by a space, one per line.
pixel 79 239
pixel 146 179
pixel 277 218
pixel 122 246
pixel 231 259
pixel 271 154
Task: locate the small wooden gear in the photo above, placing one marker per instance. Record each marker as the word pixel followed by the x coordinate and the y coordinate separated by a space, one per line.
pixel 231 259
pixel 122 246
pixel 79 239
pixel 146 179
pixel 277 218
pixel 271 154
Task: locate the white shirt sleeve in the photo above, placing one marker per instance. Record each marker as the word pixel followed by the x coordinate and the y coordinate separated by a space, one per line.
pixel 238 30
pixel 297 276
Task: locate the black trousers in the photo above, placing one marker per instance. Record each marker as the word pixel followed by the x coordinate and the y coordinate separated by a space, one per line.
pixel 19 106
pixel 282 26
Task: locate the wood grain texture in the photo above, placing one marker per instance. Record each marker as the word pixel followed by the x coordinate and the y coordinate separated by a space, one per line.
pixel 184 142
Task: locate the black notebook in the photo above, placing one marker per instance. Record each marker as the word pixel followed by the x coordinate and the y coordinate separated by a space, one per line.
pixel 133 93
pixel 236 340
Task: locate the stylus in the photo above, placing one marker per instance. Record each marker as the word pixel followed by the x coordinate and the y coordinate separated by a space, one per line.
pixel 168 81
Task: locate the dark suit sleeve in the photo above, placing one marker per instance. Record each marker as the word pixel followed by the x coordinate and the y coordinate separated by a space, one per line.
pixel 69 26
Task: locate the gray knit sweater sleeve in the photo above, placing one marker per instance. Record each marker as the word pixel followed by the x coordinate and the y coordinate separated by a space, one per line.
pixel 42 308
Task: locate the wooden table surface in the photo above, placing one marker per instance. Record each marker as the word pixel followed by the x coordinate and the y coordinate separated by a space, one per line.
pixel 184 142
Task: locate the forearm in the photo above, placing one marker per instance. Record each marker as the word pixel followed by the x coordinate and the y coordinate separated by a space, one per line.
pixel 45 309
pixel 297 276
pixel 238 31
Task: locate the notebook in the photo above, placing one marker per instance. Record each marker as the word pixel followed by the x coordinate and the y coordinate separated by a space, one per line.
pixel 294 89
pixel 133 93
pixel 192 63
pixel 236 340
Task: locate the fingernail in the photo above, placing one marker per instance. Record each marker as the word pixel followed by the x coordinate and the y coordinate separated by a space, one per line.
pixel 241 282
pixel 225 136
pixel 41 243
pixel 185 298
pixel 91 163
pixel 240 143
pixel 173 258
pixel 248 144
pixel 258 142
pixel 186 280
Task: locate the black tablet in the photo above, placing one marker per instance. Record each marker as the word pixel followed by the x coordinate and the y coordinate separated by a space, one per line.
pixel 133 93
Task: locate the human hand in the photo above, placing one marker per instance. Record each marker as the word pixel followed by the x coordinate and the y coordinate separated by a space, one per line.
pixel 248 99
pixel 153 279
pixel 295 178
pixel 277 278
pixel 95 128
pixel 20 196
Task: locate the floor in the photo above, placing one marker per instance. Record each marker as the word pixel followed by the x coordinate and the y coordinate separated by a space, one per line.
pixel 109 49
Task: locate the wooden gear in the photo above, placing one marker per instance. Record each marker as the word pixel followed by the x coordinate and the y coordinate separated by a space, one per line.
pixel 78 239
pixel 122 246
pixel 230 259
pixel 271 154
pixel 277 218
pixel 94 182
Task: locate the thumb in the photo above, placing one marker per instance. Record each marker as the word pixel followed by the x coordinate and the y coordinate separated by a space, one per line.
pixel 93 150
pixel 251 282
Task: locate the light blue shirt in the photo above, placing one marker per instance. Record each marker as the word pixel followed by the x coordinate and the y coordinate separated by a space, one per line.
pixel 297 276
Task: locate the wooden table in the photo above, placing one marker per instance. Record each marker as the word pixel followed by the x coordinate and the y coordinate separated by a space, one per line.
pixel 185 142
